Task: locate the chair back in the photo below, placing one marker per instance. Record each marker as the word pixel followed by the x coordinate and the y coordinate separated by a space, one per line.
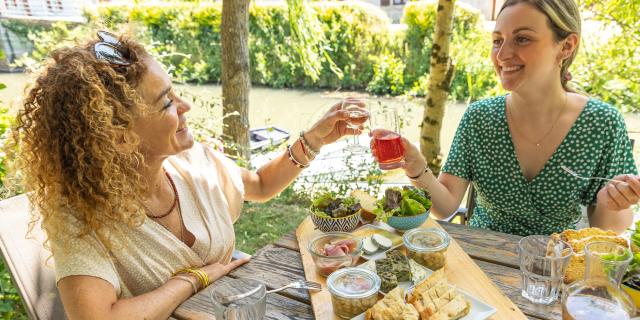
pixel 27 261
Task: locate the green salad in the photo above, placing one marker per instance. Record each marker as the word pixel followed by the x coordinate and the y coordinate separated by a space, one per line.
pixel 328 205
pixel 402 202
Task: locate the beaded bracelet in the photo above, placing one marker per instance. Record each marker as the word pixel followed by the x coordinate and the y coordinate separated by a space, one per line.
pixel 304 151
pixel 313 153
pixel 294 160
pixel 187 279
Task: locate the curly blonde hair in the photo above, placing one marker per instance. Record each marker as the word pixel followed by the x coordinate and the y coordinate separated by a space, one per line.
pixel 75 120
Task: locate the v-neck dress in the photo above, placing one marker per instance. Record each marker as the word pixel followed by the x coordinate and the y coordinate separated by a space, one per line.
pixel 211 195
pixel 597 145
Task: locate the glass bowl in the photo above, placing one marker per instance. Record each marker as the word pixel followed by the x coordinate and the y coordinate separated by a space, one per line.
pixel 334 242
pixel 427 246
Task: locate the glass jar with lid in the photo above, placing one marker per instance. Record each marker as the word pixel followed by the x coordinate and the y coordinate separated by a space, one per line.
pixel 353 291
pixel 427 246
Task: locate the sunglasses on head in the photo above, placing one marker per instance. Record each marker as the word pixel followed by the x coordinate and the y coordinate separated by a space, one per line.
pixel 109 49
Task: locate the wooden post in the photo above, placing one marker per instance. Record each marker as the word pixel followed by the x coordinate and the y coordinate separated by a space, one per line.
pixel 236 82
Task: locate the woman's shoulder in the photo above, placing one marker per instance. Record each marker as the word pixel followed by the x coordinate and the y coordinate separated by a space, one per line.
pixel 485 109
pixel 598 110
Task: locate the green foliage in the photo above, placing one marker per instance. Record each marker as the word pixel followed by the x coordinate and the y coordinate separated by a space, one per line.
pixel 470 49
pixel 609 68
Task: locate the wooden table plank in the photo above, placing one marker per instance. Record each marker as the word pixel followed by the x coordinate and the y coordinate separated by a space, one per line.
pixel 275 267
pixel 495 247
pixel 508 280
pixel 200 306
pixel 288 241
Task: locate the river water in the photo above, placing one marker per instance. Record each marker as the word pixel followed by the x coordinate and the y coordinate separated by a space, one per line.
pixel 295 110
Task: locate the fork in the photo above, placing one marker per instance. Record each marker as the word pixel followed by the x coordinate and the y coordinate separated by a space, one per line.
pixel 573 173
pixel 298 284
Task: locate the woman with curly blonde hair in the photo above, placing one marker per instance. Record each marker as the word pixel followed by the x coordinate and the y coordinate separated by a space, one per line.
pixel 138 216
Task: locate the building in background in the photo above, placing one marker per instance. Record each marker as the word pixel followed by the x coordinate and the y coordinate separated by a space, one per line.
pixel 43 11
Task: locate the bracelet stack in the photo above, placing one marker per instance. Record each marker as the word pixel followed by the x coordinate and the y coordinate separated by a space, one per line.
pixel 306 148
pixel 198 273
pixel 294 160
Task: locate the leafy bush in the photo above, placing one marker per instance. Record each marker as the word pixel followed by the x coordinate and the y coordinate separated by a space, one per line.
pixel 470 50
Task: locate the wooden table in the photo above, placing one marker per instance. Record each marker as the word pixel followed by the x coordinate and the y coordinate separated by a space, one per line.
pixel 279 263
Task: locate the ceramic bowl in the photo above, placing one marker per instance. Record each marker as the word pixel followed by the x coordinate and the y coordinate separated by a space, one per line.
pixel 406 223
pixel 343 224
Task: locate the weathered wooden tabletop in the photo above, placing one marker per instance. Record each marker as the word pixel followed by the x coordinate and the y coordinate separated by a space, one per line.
pixel 279 263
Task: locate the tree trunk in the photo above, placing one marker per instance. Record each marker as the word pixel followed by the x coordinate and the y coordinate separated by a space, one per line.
pixel 440 76
pixel 236 82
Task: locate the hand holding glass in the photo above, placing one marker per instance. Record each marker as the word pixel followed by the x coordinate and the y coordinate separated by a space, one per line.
pixel 357 116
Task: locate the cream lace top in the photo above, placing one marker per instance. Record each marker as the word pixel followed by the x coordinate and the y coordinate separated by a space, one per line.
pixel 211 197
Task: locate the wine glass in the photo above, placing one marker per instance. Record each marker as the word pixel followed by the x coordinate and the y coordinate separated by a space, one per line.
pixel 358 115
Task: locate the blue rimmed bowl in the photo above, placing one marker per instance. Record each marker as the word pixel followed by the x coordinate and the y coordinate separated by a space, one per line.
pixel 406 223
pixel 342 224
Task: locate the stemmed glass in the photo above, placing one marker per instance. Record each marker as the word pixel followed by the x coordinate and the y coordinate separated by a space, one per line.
pixel 357 116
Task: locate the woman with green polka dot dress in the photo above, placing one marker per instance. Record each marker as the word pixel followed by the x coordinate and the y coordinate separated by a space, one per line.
pixel 512 147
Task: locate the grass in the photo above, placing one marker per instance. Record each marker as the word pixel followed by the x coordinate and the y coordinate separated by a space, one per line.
pixel 259 225
pixel 264 223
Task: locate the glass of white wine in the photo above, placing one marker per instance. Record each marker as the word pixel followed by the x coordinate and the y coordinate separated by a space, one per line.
pixel 358 115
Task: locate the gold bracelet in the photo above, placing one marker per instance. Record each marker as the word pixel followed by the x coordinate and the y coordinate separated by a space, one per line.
pixel 201 275
pixel 187 279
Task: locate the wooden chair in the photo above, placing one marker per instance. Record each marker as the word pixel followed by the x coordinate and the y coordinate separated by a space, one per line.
pixel 27 261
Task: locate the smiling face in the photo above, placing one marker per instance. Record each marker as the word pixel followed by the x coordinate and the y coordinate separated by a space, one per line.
pixel 162 131
pixel 525 52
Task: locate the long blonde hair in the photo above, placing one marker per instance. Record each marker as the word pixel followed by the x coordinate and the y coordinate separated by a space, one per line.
pixel 564 19
pixel 70 130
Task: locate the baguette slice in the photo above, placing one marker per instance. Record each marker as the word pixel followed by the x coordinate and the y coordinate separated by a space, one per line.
pixel 367 204
pixel 433 280
pixel 455 309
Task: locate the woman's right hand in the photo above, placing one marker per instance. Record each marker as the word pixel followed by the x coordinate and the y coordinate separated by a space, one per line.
pixel 414 162
pixel 218 270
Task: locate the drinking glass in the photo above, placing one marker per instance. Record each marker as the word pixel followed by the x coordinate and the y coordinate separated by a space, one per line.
pixel 386 145
pixel 252 307
pixel 543 262
pixel 358 115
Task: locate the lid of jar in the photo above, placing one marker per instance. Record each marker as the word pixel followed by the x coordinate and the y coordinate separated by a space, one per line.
pixel 353 283
pixel 426 239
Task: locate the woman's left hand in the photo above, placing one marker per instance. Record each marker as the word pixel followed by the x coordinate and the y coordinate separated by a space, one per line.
pixel 332 126
pixel 620 195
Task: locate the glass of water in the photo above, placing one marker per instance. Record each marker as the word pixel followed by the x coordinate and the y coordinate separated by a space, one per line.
pixel 251 307
pixel 543 262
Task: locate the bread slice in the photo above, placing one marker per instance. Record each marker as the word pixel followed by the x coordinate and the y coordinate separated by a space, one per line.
pixel 392 307
pixel 367 203
pixel 455 309
pixel 434 298
pixel 434 279
pixel 578 240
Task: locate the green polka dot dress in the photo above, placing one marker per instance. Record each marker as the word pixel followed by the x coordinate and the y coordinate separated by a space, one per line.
pixel 482 152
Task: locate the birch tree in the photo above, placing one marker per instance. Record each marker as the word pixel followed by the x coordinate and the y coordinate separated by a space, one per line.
pixel 236 82
pixel 440 76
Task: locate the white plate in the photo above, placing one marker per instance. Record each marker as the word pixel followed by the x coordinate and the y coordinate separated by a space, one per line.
pixel 479 310
pixel 382 229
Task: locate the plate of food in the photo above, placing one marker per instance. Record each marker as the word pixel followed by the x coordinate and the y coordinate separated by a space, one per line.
pixel 376 241
pixel 432 298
